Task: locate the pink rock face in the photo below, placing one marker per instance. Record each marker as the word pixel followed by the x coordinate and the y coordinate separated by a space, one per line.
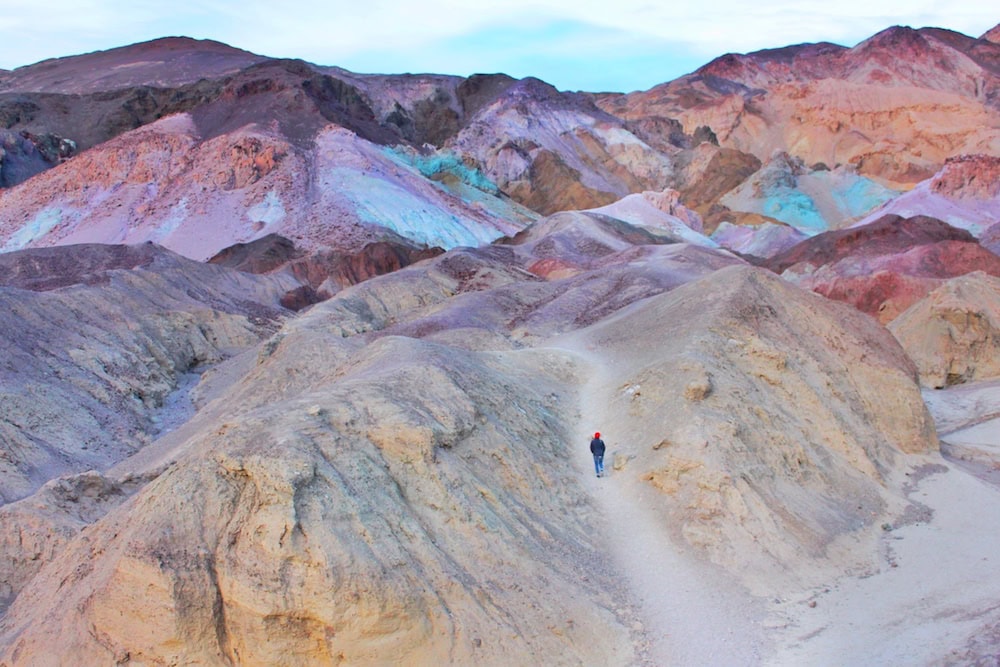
pixel 884 267
pixel 165 183
pixel 891 234
pixel 763 241
pixel 969 177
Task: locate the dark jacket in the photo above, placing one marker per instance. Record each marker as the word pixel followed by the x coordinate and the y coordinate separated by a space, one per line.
pixel 597 446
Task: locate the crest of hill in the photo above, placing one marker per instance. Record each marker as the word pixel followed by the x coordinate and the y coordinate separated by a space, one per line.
pixel 322 273
pixel 883 267
pixel 167 62
pixel 904 52
pixel 887 235
pixel 767 67
pixel 121 90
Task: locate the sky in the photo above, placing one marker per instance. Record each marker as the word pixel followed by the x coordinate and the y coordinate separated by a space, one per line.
pixel 606 45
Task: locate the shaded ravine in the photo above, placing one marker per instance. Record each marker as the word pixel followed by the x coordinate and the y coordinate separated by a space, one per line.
pixel 693 613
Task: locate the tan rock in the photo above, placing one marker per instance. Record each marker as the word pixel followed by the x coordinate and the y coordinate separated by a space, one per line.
pixel 954 332
pixel 812 406
pixel 390 526
pixel 391 478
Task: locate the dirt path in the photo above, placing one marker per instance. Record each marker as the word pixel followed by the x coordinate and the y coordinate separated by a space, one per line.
pixel 694 614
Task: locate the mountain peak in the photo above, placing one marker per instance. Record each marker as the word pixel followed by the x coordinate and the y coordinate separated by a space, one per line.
pixel 899 39
pixel 163 62
pixel 992 35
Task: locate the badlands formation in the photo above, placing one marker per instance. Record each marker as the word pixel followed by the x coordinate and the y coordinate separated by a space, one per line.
pixel 300 365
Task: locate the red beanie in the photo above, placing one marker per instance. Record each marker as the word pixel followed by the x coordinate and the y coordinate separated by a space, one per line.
pixel 597 435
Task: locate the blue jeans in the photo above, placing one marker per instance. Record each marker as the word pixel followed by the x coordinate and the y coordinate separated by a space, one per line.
pixel 598 463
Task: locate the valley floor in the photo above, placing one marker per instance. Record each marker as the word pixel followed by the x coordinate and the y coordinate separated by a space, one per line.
pixel 935 598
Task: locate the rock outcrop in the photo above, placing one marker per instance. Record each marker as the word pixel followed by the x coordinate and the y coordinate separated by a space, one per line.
pixel 992 35
pixel 760 241
pixel 322 273
pixel 22 155
pixel 963 193
pixel 969 177
pixel 953 334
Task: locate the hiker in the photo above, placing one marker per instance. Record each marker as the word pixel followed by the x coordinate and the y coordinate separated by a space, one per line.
pixel 597 449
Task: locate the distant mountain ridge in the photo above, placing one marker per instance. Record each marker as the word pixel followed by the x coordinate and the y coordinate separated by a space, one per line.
pixel 479 157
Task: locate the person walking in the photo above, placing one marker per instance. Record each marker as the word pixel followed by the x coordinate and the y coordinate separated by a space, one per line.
pixel 597 449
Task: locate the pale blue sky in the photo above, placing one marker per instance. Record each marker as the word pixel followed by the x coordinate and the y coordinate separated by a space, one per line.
pixel 574 44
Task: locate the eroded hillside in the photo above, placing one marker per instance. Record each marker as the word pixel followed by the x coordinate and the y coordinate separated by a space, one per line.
pixel 300 365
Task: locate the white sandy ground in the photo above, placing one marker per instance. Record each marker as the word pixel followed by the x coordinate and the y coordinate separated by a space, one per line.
pixel 943 590
pixel 932 590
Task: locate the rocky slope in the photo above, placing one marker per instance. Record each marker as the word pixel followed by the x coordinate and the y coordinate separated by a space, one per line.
pixel 703 417
pixel 894 107
pixel 389 476
pixel 97 338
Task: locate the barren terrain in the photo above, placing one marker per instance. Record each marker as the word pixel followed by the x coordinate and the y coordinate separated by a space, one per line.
pixel 299 366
